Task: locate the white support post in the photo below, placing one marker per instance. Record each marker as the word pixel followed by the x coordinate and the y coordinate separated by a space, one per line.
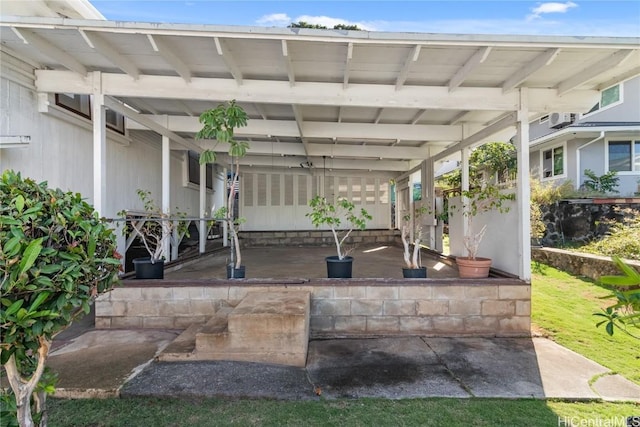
pixel 203 205
pixel 464 184
pixel 99 146
pixel 523 193
pixel 429 196
pixel 225 229
pixel 170 252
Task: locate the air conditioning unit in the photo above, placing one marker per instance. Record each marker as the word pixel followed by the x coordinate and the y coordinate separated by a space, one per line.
pixel 559 120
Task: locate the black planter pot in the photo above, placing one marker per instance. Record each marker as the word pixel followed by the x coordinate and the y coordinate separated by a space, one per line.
pixel 414 273
pixel 145 269
pixel 339 268
pixel 235 273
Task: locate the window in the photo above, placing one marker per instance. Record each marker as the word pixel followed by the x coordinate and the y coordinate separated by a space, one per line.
pixel 608 97
pixel 81 105
pixel 193 170
pixel 624 156
pixel 553 162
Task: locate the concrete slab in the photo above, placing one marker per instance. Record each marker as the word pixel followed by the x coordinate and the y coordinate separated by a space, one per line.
pixel 567 374
pixel 98 362
pixel 491 367
pixel 386 367
pixel 616 388
pixel 221 379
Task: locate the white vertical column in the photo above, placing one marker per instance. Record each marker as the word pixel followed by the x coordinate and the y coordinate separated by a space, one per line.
pixel 464 184
pixel 225 200
pixel 99 146
pixel 523 192
pixel 166 194
pixel 202 209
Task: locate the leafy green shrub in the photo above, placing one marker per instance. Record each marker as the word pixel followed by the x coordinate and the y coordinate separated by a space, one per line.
pixel 626 290
pixel 623 240
pixel 56 256
pixel 604 184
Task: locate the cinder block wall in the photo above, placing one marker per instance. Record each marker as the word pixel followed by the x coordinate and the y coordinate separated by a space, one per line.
pixel 314 237
pixel 352 308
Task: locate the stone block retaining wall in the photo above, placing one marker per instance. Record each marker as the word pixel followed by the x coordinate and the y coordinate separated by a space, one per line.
pixel 339 308
pixel 579 264
pixel 314 237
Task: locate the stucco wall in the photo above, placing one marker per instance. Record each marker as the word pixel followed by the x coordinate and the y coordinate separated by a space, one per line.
pixel 342 308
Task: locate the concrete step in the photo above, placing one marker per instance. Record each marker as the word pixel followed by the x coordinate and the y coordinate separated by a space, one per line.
pixel 266 327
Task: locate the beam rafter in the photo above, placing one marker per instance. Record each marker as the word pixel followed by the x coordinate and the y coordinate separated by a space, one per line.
pixel 50 50
pixel 167 53
pixel 412 57
pixel 288 63
pixel 542 60
pixel 104 48
pixel 593 70
pixel 227 57
pixel 476 59
pixel 322 94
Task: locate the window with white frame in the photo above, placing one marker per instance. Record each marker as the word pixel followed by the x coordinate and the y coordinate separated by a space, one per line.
pixel 553 162
pixel 81 105
pixel 193 170
pixel 608 97
pixel 624 156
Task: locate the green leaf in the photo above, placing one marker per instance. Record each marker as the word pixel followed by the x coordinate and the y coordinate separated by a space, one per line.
pixel 609 328
pixel 30 255
pixel 39 300
pixel 19 203
pixel 14 307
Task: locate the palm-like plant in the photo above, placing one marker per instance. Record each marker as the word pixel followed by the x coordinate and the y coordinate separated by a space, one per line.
pixel 219 124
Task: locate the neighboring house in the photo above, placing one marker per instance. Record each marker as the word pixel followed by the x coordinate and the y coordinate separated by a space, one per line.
pixel 606 138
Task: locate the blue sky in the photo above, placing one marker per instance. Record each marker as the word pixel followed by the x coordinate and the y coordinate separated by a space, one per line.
pixel 582 18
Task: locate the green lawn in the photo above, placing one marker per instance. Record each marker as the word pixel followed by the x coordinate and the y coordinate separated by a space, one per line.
pixel 563 307
pixel 361 412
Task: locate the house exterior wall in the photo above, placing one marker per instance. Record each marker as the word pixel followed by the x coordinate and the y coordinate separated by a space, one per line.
pixel 496 244
pixel 627 110
pixel 61 150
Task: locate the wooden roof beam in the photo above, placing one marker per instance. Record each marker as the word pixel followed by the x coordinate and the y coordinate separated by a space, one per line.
pixel 160 46
pixel 104 48
pixel 476 59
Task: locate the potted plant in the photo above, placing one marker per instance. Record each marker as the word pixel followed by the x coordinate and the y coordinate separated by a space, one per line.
pixel 219 124
pixel 484 198
pixel 154 229
pixel 341 217
pixel 413 262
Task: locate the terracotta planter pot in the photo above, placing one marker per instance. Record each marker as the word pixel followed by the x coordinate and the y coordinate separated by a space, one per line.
pixel 473 268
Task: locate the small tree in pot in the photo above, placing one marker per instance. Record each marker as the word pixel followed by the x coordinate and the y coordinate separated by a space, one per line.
pixel 342 218
pixel 412 259
pixel 478 200
pixel 154 229
pixel 56 257
pixel 219 124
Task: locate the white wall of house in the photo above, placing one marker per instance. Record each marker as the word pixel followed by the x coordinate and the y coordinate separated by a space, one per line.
pixel 500 246
pixel 279 200
pixel 61 146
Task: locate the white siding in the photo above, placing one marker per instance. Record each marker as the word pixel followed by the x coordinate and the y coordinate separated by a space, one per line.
pixel 279 201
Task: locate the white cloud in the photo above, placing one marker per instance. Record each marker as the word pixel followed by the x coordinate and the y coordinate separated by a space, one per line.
pixel 551 7
pixel 275 19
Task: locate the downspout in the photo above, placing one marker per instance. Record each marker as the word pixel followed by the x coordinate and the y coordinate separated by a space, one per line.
pixel 578 155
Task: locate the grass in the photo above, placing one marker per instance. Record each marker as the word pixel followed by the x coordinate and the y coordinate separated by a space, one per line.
pixel 361 412
pixel 563 307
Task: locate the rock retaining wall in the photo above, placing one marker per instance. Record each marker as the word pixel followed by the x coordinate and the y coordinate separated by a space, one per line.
pixel 582 220
pixel 339 308
pixel 579 264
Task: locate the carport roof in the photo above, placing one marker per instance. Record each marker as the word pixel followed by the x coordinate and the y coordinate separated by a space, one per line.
pixel 353 100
